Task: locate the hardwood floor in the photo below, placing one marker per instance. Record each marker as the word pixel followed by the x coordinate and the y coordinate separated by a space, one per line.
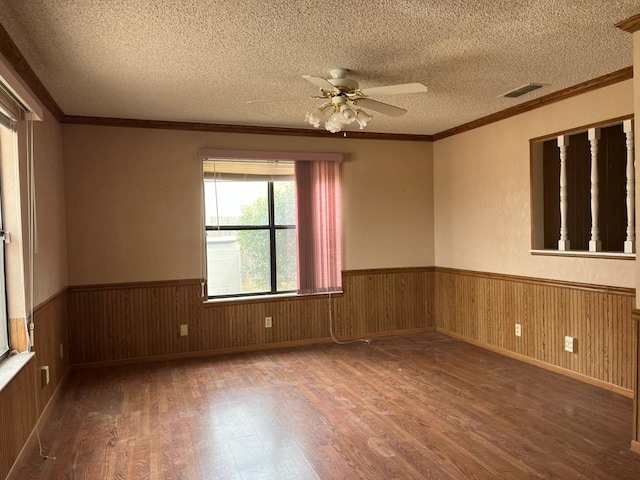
pixel 425 406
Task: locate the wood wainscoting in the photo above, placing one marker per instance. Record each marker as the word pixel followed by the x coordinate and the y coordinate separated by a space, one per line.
pixel 127 321
pixel 18 415
pixel 483 308
pixel 137 321
pixel 24 400
pixel 635 443
pixel 50 331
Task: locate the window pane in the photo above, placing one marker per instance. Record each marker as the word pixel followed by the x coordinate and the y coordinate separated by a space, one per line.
pixel 4 321
pixel 238 262
pixel 235 203
pixel 286 270
pixel 9 137
pixel 612 197
pixel 284 195
pixel 578 191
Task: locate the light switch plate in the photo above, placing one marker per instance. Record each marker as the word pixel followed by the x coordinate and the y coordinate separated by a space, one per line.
pixel 570 344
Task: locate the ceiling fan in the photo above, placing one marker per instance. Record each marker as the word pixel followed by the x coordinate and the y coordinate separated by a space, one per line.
pixel 345 99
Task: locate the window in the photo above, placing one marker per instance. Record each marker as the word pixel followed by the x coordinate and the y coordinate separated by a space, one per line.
pixel 4 318
pixel 7 135
pixel 18 112
pixel 272 225
pixel 582 191
pixel 250 221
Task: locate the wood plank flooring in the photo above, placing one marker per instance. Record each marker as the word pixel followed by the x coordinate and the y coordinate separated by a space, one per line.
pixel 422 406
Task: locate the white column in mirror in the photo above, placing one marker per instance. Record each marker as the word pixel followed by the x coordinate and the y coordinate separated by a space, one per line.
pixel 563 143
pixel 630 242
pixel 595 245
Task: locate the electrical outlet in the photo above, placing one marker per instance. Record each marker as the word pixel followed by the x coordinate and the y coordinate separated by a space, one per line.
pixel 61 350
pixel 44 375
pixel 518 330
pixel 184 330
pixel 570 344
pixel 268 322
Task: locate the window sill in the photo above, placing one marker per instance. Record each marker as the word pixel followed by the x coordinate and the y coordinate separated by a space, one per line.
pixel 10 367
pixel 585 254
pixel 216 302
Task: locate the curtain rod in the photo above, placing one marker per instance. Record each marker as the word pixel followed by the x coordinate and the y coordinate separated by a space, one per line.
pixel 214 153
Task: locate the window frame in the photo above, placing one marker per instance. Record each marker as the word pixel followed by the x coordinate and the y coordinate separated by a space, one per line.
pixel 19 109
pixel 7 123
pixel 272 227
pixel 331 284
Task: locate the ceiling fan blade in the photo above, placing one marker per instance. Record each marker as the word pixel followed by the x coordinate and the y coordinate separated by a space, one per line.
pixel 395 89
pixel 380 107
pixel 319 82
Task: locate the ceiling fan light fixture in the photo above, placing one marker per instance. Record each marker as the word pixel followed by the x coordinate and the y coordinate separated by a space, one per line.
pixel 363 118
pixel 348 114
pixel 332 128
pixel 335 123
pixel 315 117
pixel 342 114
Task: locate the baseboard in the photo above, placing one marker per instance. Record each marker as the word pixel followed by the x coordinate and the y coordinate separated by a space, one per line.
pixel 245 349
pixel 539 363
pixel 635 446
pixel 199 354
pixel 46 411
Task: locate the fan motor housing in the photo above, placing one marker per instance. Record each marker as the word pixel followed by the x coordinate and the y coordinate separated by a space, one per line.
pixel 340 81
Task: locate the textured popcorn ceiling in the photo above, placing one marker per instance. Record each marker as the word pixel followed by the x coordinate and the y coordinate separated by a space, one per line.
pixel 201 60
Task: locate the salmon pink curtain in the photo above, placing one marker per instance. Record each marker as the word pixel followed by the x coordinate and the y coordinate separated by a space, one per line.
pixel 318 226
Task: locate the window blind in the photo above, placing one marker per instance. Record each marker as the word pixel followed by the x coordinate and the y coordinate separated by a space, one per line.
pixel 248 170
pixel 9 108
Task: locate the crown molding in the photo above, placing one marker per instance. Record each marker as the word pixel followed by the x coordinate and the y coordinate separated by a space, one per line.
pixel 584 87
pixel 13 55
pixel 630 25
pixel 246 129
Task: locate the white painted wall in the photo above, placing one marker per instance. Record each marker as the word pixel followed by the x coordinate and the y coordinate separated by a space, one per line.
pixel 482 193
pixel 134 200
